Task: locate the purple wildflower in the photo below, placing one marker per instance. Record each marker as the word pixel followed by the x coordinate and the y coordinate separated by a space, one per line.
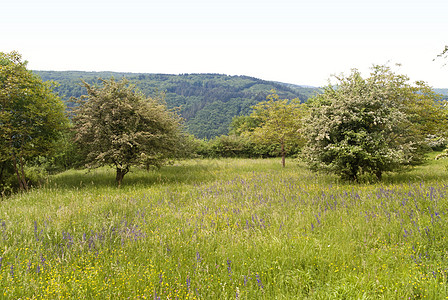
pixel 259 281
pixel 35 231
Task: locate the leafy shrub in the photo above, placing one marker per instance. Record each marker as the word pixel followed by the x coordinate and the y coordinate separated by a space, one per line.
pixel 230 146
pixel 436 142
pixel 35 176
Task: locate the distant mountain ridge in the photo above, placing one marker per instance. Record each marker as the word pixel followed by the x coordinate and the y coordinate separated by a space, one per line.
pixel 443 92
pixel 207 102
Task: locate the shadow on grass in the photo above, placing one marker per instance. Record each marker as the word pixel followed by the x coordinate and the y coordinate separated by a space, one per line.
pixel 431 171
pixel 208 170
pixel 191 172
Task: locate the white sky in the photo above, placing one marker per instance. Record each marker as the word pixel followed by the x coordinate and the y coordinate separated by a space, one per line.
pixel 300 42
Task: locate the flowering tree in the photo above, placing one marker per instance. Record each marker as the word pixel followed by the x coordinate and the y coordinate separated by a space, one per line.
pixel 120 127
pixel 370 126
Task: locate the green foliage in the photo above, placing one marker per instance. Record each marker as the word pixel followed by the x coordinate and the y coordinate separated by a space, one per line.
pixel 444 54
pixel 69 155
pixel 8 180
pixel 273 122
pixel 232 146
pixel 240 146
pixel 207 102
pixel 244 124
pixel 35 174
pixel 32 117
pixel 364 127
pixel 119 127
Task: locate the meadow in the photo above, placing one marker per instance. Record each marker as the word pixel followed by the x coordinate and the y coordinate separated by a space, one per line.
pixel 227 229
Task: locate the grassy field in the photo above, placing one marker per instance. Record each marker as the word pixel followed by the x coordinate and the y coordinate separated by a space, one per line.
pixel 227 229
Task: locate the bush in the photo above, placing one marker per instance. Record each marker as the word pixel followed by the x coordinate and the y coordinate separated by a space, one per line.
pixel 437 143
pixel 230 146
pixel 237 146
pixel 35 176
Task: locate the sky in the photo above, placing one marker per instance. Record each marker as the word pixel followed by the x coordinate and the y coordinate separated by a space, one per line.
pixel 302 42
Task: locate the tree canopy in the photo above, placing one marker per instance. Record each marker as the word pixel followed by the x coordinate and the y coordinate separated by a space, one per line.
pixel 31 116
pixel 275 121
pixel 121 127
pixel 444 53
pixel 369 126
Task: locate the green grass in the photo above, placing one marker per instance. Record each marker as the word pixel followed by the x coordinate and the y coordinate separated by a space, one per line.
pixel 227 229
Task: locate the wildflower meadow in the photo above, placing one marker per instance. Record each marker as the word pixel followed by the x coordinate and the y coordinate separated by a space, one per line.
pixel 227 229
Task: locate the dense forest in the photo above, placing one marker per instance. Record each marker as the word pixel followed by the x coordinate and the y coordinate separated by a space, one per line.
pixel 207 102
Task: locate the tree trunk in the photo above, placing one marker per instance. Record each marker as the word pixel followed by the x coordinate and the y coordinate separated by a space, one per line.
pixel 1 170
pixel 25 184
pixel 16 170
pixel 379 175
pixel 120 174
pixel 283 155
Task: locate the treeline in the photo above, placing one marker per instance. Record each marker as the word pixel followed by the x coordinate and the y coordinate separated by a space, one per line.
pixel 207 102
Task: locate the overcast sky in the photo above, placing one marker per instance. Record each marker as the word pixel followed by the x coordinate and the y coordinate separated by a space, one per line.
pixel 301 42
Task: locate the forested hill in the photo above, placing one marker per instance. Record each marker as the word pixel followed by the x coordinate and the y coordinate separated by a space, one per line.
pixel 207 102
pixel 443 92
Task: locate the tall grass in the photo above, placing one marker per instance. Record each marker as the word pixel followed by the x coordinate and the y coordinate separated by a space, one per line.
pixel 227 229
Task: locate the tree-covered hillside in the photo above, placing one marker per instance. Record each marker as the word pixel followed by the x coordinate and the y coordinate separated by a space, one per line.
pixel 207 102
pixel 443 92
